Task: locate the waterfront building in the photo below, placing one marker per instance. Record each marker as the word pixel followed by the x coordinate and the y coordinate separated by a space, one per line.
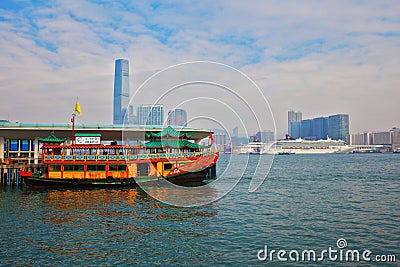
pixel 121 90
pixel 386 139
pixel 338 127
pixel 295 129
pixel 319 128
pixel 293 116
pixel 150 115
pixel 335 127
pixel 360 139
pixel 395 138
pixel 306 129
pixel 382 138
pixel 177 117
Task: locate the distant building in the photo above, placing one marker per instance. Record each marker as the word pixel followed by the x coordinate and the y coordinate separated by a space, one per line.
pixel 235 132
pixel 335 127
pixel 360 139
pixel 338 127
pixel 306 129
pixel 293 116
pixel 389 140
pixel 265 136
pixel 131 118
pixel 150 115
pixel 121 90
pixel 222 142
pixel 295 128
pixel 319 128
pixel 382 138
pixel 177 117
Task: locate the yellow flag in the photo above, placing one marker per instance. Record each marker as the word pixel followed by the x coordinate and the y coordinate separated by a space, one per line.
pixel 78 108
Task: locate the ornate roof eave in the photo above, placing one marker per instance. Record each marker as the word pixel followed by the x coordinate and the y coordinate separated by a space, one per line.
pixel 52 138
pixel 169 131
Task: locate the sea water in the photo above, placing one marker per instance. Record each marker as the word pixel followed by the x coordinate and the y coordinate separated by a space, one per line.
pixel 307 202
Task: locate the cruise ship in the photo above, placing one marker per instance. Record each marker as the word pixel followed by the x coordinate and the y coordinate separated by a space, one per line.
pixel 301 146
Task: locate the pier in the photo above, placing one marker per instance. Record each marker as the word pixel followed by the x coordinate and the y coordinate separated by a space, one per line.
pixel 9 174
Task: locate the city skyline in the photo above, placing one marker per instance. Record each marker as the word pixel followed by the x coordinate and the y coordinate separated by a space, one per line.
pixel 342 61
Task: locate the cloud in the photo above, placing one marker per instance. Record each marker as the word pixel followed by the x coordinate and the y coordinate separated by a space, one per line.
pixel 319 57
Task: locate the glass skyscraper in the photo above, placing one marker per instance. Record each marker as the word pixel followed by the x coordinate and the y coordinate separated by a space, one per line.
pixel 121 90
pixel 150 115
pixel 293 116
pixel 338 127
pixel 177 117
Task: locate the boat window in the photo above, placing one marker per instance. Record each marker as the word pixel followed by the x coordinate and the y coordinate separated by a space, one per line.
pixel 167 166
pixel 117 167
pixel 73 168
pixel 96 167
pixel 56 168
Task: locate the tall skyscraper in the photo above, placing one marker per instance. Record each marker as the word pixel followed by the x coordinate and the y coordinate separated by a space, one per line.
pixel 177 117
pixel 319 128
pixel 293 116
pixel 338 127
pixel 150 115
pixel 121 90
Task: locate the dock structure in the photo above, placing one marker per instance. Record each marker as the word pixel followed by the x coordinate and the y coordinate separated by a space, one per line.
pixel 20 143
pixel 9 174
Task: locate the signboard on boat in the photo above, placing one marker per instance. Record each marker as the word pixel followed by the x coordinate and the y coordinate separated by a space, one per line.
pixel 87 139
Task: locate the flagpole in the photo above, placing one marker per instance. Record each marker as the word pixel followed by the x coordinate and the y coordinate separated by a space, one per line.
pixel 73 121
pixel 73 127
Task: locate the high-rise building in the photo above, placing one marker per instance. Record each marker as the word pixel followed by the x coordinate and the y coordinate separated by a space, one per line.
pixel 338 127
pixel 177 117
pixel 293 116
pixel 150 115
pixel 295 128
pixel 306 129
pixel 335 127
pixel 319 128
pixel 121 90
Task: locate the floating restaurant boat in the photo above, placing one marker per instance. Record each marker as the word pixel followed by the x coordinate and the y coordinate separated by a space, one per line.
pixel 168 154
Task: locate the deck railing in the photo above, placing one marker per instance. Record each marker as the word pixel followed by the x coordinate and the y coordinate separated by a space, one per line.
pixel 148 156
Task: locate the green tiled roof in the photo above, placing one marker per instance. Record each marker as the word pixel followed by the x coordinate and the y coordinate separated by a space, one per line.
pixel 170 132
pixel 52 138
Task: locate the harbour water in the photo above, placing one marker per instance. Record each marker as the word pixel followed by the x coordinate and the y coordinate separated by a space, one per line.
pixel 306 202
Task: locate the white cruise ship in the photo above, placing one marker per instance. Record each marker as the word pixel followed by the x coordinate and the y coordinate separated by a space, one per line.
pixel 301 146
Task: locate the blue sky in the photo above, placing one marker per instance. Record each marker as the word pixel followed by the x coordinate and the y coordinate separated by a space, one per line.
pixel 320 57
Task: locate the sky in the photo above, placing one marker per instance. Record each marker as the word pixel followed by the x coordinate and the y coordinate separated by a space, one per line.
pixel 318 57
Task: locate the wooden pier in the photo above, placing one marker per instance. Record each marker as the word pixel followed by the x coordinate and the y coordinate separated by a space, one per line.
pixel 9 174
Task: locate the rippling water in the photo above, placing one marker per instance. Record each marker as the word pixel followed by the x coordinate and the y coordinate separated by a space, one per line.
pixel 307 202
